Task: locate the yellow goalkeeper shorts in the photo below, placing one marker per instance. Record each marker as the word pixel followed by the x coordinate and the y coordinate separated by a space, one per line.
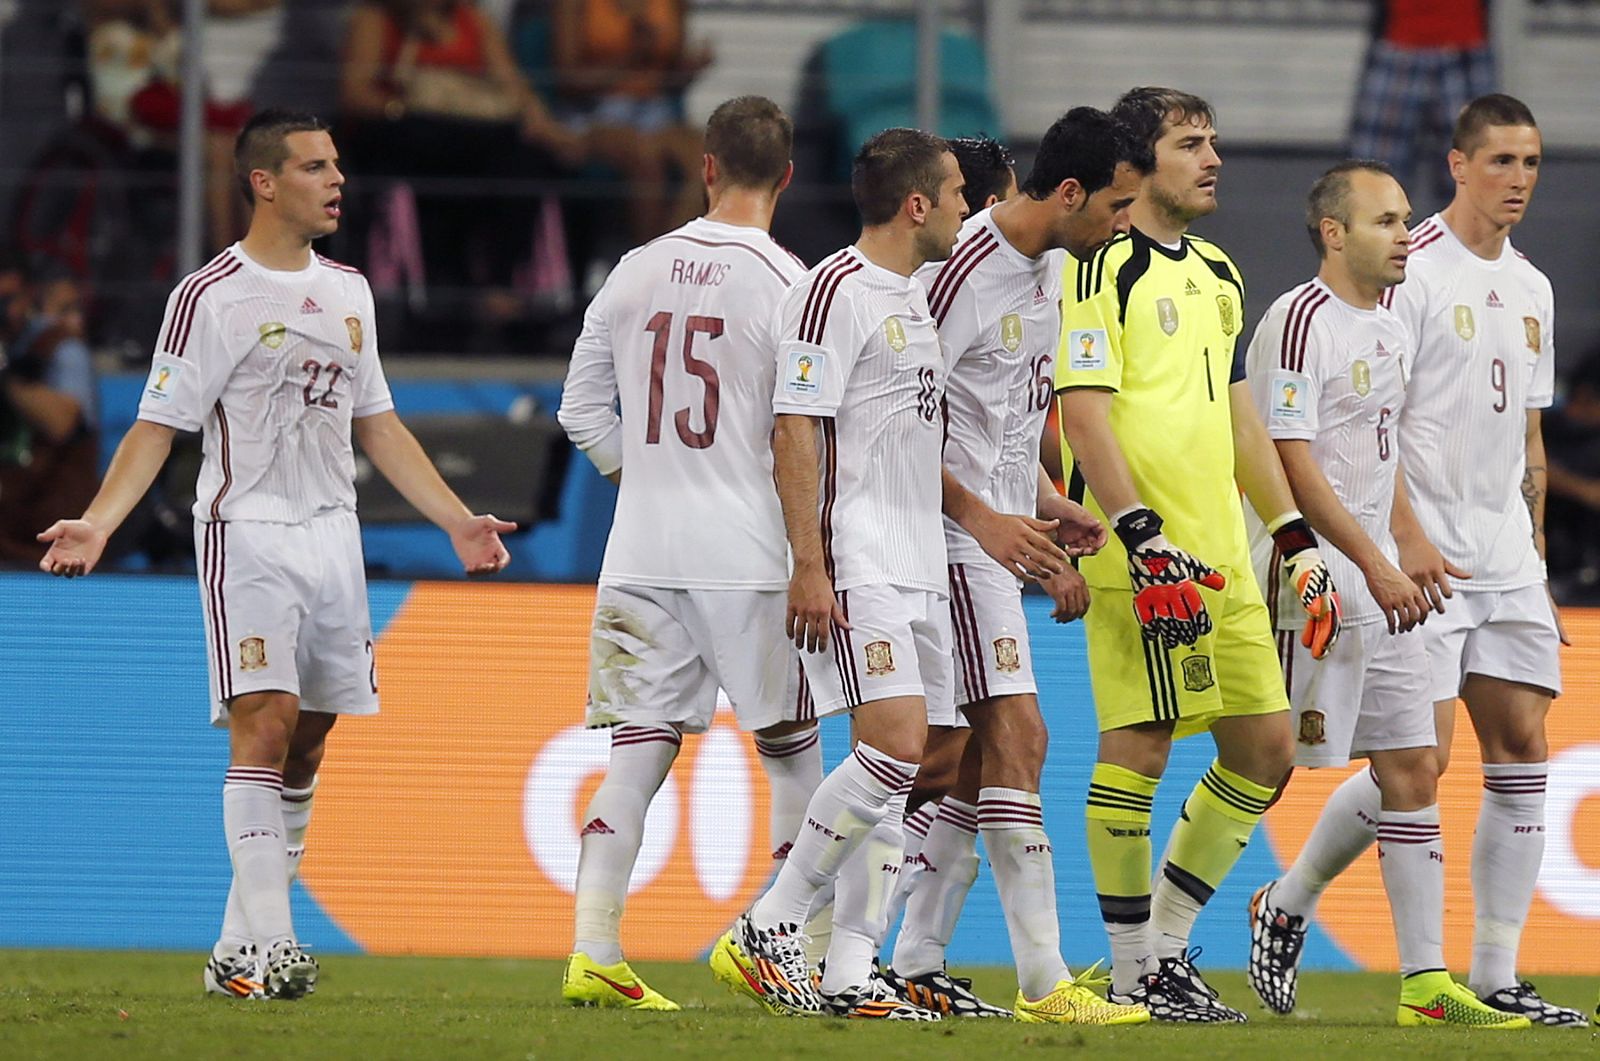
pixel 1232 671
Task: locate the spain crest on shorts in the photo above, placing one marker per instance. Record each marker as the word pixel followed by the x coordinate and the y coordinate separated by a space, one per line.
pixel 880 658
pixel 1197 677
pixel 1007 660
pixel 353 326
pixel 1313 727
pixel 1530 328
pixel 252 654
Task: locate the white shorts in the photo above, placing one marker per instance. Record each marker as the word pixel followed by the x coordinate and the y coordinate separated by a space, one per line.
pixel 658 655
pixel 1370 694
pixel 1508 634
pixel 992 656
pixel 285 608
pixel 898 644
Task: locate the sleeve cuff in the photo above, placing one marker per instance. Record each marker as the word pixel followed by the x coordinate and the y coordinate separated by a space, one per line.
pixel 177 423
pixel 606 454
pixel 374 408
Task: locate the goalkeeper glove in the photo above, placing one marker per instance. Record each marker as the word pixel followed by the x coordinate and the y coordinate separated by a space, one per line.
pixel 1306 572
pixel 1165 600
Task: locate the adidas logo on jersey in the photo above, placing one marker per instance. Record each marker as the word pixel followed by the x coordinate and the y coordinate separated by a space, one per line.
pixel 598 825
pixel 1039 297
pixel 1493 301
pixel 1190 287
pixel 310 306
pixel 1382 351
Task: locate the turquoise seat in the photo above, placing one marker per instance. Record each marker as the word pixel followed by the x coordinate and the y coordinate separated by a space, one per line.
pixel 869 75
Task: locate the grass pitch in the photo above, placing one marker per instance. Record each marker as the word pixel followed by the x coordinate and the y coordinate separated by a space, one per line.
pixel 76 1004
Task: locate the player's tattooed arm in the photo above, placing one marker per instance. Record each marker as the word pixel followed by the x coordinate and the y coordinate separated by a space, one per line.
pixel 1534 478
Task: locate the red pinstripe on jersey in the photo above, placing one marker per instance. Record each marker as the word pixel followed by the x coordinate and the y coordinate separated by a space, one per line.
pixel 1298 326
pixel 182 322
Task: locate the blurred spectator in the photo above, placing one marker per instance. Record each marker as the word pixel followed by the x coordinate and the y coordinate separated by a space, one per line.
pixel 1572 510
pixel 49 446
pixel 134 59
pixel 429 91
pixel 622 67
pixel 1427 60
pixel 239 35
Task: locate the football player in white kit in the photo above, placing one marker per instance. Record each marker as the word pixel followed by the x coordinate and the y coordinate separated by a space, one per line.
pixel 996 303
pixel 1469 525
pixel 860 370
pixel 1327 372
pixel 692 589
pixel 269 351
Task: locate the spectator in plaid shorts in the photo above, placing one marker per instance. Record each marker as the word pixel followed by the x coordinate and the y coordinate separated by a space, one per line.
pixel 1427 60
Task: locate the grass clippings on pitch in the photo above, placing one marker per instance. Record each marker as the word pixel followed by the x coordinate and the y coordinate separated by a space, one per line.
pixel 76 1004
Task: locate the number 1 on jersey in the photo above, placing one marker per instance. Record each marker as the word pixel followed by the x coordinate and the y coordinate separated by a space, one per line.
pixel 660 325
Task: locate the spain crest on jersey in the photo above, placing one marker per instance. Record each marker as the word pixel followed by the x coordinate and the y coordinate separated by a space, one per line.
pixel 1466 327
pixel 1011 331
pixel 1167 314
pixel 1225 315
pixel 1530 327
pixel 895 333
pixel 353 326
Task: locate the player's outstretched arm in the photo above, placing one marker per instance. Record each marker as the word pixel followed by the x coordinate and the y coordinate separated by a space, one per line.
pixel 813 608
pixel 75 545
pixel 1402 601
pixel 1259 472
pixel 395 452
pixel 1420 559
pixel 1020 544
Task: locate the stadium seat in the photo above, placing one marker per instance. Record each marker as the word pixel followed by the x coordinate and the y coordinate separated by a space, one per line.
pixel 869 81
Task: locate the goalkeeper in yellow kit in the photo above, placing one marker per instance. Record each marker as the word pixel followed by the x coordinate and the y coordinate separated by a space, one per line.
pixel 1158 426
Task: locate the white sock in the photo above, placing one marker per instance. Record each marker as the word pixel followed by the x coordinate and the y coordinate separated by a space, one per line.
pixel 252 817
pixel 794 770
pixel 911 864
pixel 1132 955
pixel 1507 851
pixel 818 932
pixel 612 832
pixel 1346 827
pixel 849 802
pixel 865 883
pixel 1411 858
pixel 1012 822
pixel 296 817
pixel 950 854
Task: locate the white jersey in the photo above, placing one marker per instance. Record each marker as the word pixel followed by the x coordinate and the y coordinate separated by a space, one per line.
pixel 271 366
pixel 857 348
pixel 682 333
pixel 1483 341
pixel 999 315
pixel 1332 374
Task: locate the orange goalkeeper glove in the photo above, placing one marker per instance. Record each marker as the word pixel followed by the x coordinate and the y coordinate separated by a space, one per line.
pixel 1306 572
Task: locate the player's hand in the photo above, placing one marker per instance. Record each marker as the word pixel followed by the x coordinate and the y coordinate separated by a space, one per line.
pixel 477 544
pixel 1306 572
pixel 1166 597
pixel 1427 567
pixel 1070 593
pixel 75 547
pixel 1402 601
pixel 1078 531
pixel 1022 545
pixel 813 609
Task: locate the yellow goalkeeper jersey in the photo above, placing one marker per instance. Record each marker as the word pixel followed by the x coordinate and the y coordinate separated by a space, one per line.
pixel 1159 328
